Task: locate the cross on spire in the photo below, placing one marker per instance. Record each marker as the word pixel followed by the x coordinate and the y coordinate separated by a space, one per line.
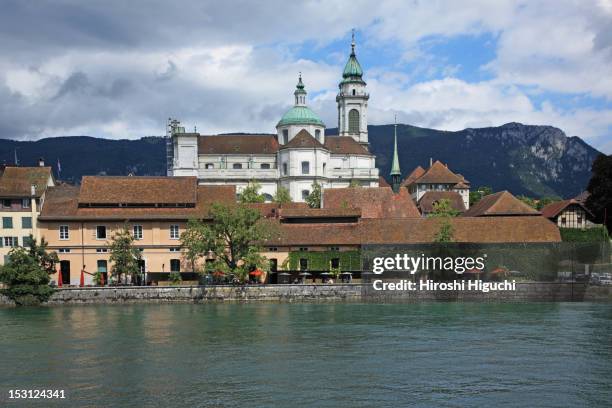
pixel 353 41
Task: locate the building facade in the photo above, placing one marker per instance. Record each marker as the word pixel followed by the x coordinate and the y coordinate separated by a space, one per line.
pixel 296 156
pixel 438 178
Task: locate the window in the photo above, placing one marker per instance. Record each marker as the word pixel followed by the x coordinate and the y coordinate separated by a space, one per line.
pixel 64 234
pixel 334 249
pixel 64 250
pixel 174 232
pixel 563 221
pixel 7 222
pixel 175 265
pixel 318 135
pixel 25 203
pixel 265 165
pixel 273 249
pixel 324 165
pixel 303 264
pixel 6 203
pixel 285 136
pixel 102 266
pixel 335 263
pixel 237 166
pixel 303 249
pixel 305 194
pixel 101 232
pixel 209 166
pixel 26 240
pixel 305 167
pixel 579 220
pixel 353 121
pixel 101 250
pixel 353 92
pixel 273 265
pixel 10 242
pixel 26 222
pixel 285 169
pixel 137 232
pixel 175 249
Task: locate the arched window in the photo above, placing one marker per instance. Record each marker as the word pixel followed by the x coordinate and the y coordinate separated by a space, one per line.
pixel 353 92
pixel 353 121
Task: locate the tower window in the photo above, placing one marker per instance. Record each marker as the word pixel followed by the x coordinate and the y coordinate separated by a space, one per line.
pixel 318 135
pixel 284 169
pixel 353 121
pixel 305 167
pixel 305 194
pixel 353 92
pixel 285 136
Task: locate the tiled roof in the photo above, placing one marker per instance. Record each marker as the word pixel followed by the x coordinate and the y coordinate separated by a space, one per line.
pixel 428 199
pixel 344 145
pixel 138 190
pixel 501 203
pixel 314 234
pixel 554 209
pixel 482 230
pixel 18 181
pixel 238 144
pixel 416 173
pixel 272 210
pixel 320 212
pixel 61 203
pixel 438 173
pixel 302 140
pixel 374 202
pixel 382 182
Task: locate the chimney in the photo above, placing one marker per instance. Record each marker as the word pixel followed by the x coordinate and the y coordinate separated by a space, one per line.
pixel 33 190
pixel 430 161
pixel 41 162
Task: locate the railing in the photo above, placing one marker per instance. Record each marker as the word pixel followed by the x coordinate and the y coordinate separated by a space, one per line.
pixel 355 173
pixel 258 174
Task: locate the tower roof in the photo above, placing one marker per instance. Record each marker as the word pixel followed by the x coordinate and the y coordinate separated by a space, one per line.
pixel 395 166
pixel 352 70
pixel 300 115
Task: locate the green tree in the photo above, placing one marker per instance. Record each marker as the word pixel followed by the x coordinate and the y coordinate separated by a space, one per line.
pixel 282 196
pixel 232 237
pixel 600 189
pixel 443 208
pixel 175 278
pixel 47 260
pixel 250 194
pixel 26 280
pixel 124 256
pixel 354 184
pixel 446 232
pixel 477 195
pixel 544 201
pixel 314 198
pixel 529 201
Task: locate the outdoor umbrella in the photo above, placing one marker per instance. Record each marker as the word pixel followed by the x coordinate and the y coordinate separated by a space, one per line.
pixel 256 272
pixel 59 278
pixel 82 278
pixel 218 273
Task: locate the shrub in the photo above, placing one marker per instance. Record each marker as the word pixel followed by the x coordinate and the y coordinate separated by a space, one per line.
pixel 26 280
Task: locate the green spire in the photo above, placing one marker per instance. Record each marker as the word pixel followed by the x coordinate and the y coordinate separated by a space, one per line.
pixel 352 69
pixel 395 167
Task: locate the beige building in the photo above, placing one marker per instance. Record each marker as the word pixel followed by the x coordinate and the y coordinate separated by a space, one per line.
pixel 22 193
pixel 569 214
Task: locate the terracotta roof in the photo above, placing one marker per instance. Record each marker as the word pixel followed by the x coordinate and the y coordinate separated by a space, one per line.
pixel 554 209
pixel 314 234
pixel 238 144
pixel 428 199
pixel 138 190
pixel 438 173
pixel 320 212
pixel 461 185
pixel 61 203
pixel 501 203
pixel 382 182
pixel 416 173
pixel 18 181
pixel 482 230
pixel 374 202
pixel 344 145
pixel 272 210
pixel 302 140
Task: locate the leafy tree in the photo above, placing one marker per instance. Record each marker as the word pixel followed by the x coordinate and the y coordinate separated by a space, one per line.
pixel 314 198
pixel 250 194
pixel 544 201
pixel 282 196
pixel 45 259
pixel 26 279
pixel 124 256
pixel 175 278
pixel 477 195
pixel 600 189
pixel 443 208
pixel 232 237
pixel 445 233
pixel 354 184
pixel 529 201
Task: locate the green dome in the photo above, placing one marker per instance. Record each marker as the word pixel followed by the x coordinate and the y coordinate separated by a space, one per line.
pixel 352 67
pixel 300 115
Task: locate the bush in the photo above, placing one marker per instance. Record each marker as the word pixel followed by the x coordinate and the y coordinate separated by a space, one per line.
pixel 595 234
pixel 26 280
pixel 175 278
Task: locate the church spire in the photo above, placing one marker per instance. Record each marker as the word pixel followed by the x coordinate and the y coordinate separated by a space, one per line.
pixel 396 173
pixel 300 92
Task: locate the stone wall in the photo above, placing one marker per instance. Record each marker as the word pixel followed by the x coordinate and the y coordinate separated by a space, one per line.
pixel 319 293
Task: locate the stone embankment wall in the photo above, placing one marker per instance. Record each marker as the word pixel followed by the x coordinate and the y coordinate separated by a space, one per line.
pixel 558 292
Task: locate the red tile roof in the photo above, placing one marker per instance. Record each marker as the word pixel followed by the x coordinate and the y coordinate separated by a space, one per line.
pixel 18 181
pixel 554 209
pixel 382 182
pixel 425 204
pixel 500 203
pixel 439 173
pixel 345 145
pixel 416 173
pixel 238 144
pixel 374 202
pixel 302 140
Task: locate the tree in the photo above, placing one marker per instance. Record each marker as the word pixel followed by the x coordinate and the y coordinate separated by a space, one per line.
pixel 477 195
pixel 354 183
pixel 544 201
pixel 600 190
pixel 250 194
pixel 46 260
pixel 443 208
pixel 445 233
pixel 124 256
pixel 232 237
pixel 282 196
pixel 529 201
pixel 26 279
pixel 314 198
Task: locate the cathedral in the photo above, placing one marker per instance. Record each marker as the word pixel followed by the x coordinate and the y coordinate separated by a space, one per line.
pixel 298 155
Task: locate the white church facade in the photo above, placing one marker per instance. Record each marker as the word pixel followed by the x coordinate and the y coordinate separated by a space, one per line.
pixel 296 156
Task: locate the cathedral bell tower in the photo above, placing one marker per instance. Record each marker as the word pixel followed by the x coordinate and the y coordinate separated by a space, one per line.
pixel 353 101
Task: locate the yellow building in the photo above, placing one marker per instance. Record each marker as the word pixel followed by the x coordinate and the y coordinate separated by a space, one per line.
pixel 22 193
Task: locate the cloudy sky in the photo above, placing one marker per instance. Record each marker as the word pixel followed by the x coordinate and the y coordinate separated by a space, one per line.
pixel 119 69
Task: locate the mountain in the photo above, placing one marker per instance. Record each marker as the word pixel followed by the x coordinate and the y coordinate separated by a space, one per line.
pixel 532 160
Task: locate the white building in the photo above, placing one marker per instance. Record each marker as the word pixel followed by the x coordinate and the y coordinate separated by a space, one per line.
pixel 298 155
